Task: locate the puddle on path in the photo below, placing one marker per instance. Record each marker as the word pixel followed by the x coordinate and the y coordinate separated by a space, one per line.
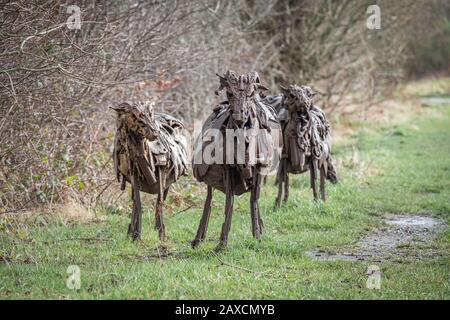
pixel 404 236
pixel 435 100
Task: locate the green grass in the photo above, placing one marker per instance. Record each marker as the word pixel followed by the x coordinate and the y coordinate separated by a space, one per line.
pixel 393 169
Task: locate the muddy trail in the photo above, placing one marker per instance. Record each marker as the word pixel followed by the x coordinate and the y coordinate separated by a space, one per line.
pixel 402 237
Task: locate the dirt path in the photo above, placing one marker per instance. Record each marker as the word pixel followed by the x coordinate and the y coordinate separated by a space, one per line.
pixel 403 237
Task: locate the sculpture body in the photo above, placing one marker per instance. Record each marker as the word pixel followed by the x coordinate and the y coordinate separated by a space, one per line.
pixel 238 168
pixel 306 140
pixel 150 154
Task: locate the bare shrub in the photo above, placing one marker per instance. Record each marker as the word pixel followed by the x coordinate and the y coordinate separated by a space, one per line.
pixel 56 84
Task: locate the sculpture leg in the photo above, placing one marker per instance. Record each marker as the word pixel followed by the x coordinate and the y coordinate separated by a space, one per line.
pixel 280 180
pixel 136 219
pixel 166 192
pixel 130 225
pixel 322 184
pixel 159 221
pixel 286 185
pixel 228 212
pixel 203 226
pixel 313 173
pixel 254 207
pixel 260 220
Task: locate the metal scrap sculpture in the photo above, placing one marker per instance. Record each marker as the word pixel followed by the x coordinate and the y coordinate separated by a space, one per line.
pixel 244 110
pixel 150 154
pixel 306 140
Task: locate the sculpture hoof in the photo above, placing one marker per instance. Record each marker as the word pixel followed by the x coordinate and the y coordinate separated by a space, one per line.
pixel 195 243
pixel 220 247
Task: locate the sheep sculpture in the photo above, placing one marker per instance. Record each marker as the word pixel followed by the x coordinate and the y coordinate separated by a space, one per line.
pixel 150 154
pixel 306 140
pixel 243 111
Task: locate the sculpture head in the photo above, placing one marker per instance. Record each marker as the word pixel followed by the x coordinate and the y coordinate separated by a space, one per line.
pixel 241 92
pixel 138 118
pixel 298 98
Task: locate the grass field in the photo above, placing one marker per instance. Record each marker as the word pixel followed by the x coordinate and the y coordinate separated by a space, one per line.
pixel 402 167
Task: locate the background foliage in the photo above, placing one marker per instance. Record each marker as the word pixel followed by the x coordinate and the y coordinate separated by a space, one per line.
pixel 56 84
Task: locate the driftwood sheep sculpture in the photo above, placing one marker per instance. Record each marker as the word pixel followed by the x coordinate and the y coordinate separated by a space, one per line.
pixel 306 140
pixel 238 168
pixel 150 154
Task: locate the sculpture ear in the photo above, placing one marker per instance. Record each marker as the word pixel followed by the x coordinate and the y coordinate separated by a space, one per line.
pixel 230 73
pixel 255 77
pixel 223 83
pixel 260 87
pixel 151 111
pixel 311 93
pixel 284 90
pixel 221 77
pixel 121 107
